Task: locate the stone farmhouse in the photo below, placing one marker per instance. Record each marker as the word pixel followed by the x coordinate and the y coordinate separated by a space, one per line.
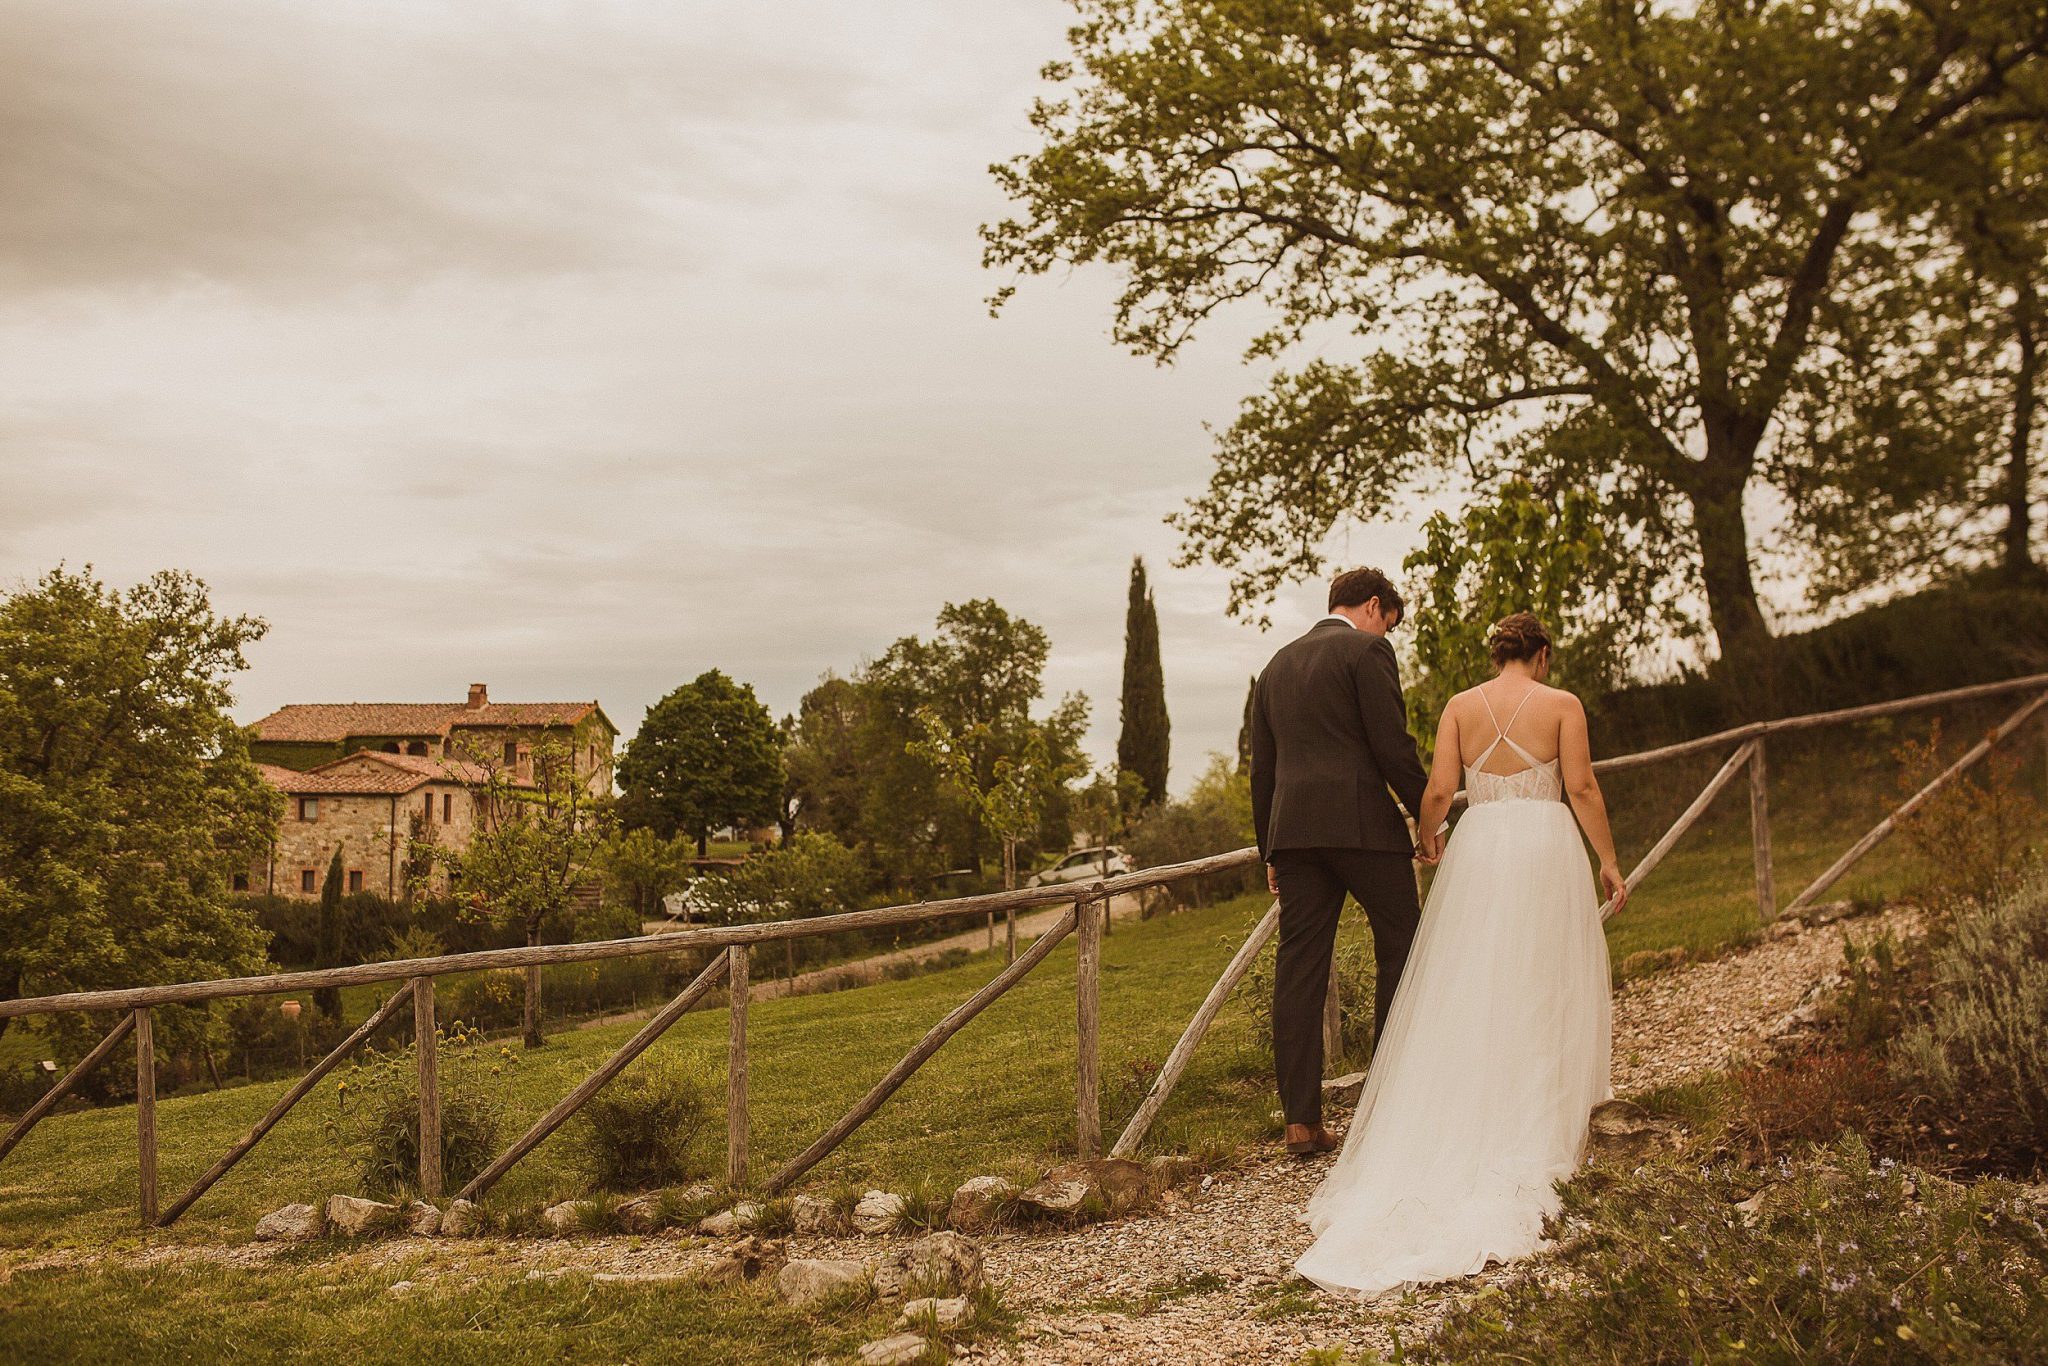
pixel 366 775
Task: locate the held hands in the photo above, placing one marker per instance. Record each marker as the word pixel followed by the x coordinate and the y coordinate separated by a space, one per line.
pixel 1429 848
pixel 1613 885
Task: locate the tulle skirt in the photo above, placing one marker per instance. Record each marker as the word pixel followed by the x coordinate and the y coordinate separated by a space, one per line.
pixel 1496 1051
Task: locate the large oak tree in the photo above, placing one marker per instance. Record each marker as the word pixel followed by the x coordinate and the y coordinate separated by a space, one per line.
pixel 1590 243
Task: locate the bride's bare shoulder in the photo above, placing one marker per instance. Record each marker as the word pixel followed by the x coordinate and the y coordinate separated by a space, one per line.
pixel 1563 701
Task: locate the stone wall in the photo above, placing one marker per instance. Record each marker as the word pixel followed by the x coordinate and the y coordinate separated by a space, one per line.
pixel 373 830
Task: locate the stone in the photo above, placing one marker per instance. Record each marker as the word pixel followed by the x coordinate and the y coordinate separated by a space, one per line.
pixel 563 1219
pixel 1827 912
pixel 422 1220
pixel 462 1220
pixel 641 1214
pixel 1173 1169
pixel 353 1217
pixel 806 1280
pixel 291 1224
pixel 747 1260
pixel 400 1288
pixel 1056 1198
pixel 811 1214
pixel 1643 962
pixel 1344 1090
pixel 1623 1129
pixel 1118 1182
pixel 978 1204
pixel 945 1313
pixel 944 1263
pixel 878 1212
pixel 893 1351
pixel 728 1222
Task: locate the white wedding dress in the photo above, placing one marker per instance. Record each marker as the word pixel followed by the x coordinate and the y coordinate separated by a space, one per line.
pixel 1495 1052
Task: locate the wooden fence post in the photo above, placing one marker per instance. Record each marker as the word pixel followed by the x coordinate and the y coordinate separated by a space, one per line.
pixel 1760 835
pixel 145 1111
pixel 736 1067
pixel 426 1038
pixel 1087 1022
pixel 56 1093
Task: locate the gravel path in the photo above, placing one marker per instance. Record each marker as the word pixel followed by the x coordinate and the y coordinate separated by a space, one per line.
pixel 1209 1279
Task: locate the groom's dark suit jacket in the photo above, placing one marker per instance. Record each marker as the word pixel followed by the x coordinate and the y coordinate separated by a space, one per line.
pixel 1329 737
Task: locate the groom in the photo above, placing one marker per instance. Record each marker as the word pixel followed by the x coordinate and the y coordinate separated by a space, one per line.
pixel 1329 738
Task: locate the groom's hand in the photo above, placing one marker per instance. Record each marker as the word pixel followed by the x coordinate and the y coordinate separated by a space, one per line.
pixel 1272 879
pixel 1429 848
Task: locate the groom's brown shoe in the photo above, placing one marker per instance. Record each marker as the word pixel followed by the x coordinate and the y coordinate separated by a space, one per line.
pixel 1306 1140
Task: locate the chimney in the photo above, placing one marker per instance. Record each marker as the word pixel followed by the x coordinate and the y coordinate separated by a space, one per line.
pixel 478 696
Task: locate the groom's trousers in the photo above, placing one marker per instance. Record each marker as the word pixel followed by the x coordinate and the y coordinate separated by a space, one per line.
pixel 1312 885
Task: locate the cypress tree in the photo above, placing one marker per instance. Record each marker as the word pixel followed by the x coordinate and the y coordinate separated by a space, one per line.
pixel 327 1000
pixel 1244 729
pixel 1142 747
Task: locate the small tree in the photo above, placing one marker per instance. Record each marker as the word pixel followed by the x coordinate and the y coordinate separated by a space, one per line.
pixel 1143 747
pixel 327 1000
pixel 812 875
pixel 640 868
pixel 534 847
pixel 1012 805
pixel 707 755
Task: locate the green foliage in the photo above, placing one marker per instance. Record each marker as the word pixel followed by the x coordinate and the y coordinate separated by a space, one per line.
pixel 1021 786
pixel 812 875
pixel 485 1000
pixel 126 793
pixel 1980 1045
pixel 1845 1261
pixel 708 754
pixel 1667 350
pixel 644 1129
pixel 1523 551
pixel 640 868
pixel 1143 745
pixel 1215 817
pixel 853 772
pixel 376 1111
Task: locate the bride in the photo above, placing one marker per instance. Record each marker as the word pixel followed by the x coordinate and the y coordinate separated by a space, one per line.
pixel 1496 1048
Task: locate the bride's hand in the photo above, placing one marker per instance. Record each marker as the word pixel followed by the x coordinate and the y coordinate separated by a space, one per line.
pixel 1614 885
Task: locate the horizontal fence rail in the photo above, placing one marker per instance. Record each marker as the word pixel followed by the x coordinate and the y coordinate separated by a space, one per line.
pixel 1087 909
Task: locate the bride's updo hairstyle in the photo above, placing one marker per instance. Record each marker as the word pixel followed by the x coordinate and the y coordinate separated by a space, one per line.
pixel 1516 638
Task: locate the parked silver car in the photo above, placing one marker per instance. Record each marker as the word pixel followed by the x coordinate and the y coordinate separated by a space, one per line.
pixel 1082 865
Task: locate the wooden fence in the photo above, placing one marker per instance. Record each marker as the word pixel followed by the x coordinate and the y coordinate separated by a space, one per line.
pixel 1085 915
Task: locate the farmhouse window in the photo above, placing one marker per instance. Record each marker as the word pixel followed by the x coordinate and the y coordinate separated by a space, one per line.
pixel 306 876
pixel 511 751
pixel 241 882
pixel 355 879
pixel 427 809
pixel 309 808
pixel 447 806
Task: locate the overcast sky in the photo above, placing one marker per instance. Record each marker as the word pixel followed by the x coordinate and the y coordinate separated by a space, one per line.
pixel 578 348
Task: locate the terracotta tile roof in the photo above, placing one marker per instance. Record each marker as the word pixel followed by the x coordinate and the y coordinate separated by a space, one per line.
pixel 333 721
pixel 369 773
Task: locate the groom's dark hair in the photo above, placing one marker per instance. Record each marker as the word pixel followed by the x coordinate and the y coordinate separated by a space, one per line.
pixel 1356 587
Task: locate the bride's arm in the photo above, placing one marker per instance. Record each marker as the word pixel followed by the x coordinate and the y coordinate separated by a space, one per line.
pixel 1575 752
pixel 1442 789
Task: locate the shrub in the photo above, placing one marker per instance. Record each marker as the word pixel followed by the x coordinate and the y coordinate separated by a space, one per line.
pixel 488 1000
pixel 1215 819
pixel 1979 1047
pixel 1812 1098
pixel 1972 836
pixel 640 1131
pixel 377 1111
pixel 1845 1262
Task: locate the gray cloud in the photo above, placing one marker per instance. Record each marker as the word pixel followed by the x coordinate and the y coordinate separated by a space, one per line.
pixel 579 348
